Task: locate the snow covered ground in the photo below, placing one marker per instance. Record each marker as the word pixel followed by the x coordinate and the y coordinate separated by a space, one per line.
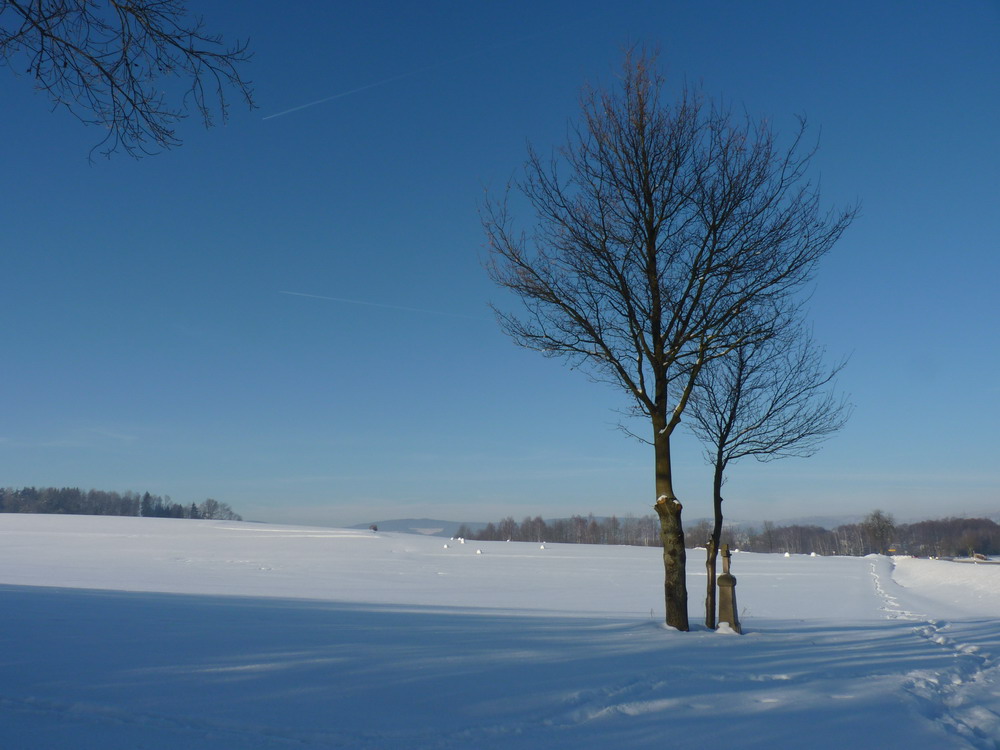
pixel 164 634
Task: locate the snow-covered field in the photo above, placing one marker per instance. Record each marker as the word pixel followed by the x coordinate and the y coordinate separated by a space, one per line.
pixel 164 634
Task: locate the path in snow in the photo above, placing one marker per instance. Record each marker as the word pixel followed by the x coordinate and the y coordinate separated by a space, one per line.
pixel 958 697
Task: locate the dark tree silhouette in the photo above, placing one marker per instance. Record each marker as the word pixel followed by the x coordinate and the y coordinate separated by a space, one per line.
pixel 109 63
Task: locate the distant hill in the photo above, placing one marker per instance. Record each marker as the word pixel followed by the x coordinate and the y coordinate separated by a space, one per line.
pixel 424 526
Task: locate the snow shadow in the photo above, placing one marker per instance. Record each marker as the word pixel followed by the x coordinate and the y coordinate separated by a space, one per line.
pixel 116 669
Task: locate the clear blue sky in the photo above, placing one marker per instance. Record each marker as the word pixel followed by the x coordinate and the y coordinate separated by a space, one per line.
pixel 148 345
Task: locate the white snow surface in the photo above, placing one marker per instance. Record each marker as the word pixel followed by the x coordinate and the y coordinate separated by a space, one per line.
pixel 163 634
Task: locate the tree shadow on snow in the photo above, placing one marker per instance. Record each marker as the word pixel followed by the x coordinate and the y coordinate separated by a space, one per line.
pixel 328 674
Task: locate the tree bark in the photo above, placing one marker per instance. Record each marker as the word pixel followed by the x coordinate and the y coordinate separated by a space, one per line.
pixel 668 508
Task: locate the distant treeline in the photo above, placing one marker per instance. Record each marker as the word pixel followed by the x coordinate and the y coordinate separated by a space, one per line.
pixel 639 532
pixel 876 534
pixel 947 537
pixel 73 500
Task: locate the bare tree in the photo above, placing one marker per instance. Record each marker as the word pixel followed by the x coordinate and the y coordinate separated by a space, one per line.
pixel 106 62
pixel 768 399
pixel 659 228
pixel 878 528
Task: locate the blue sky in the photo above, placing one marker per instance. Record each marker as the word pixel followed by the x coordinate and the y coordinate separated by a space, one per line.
pixel 150 341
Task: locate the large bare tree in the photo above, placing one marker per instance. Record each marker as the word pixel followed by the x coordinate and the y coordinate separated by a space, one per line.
pixel 768 399
pixel 109 63
pixel 659 228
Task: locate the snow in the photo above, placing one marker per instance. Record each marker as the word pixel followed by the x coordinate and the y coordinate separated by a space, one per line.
pixel 972 589
pixel 158 633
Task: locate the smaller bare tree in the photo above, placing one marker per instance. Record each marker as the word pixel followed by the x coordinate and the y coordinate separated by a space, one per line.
pixel 106 62
pixel 767 399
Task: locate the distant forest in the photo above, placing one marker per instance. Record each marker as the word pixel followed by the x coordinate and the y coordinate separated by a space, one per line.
pixel 73 500
pixel 949 537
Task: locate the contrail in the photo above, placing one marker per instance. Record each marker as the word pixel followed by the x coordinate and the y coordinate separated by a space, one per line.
pixel 424 69
pixel 379 304
pixel 363 88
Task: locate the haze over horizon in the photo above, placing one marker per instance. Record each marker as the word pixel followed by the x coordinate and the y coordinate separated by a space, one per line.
pixel 289 314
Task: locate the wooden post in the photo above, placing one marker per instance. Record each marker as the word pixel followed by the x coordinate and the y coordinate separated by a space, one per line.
pixel 728 611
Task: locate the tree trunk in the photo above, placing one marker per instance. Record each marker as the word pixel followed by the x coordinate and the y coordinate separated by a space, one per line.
pixel 672 535
pixel 710 599
pixel 713 548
